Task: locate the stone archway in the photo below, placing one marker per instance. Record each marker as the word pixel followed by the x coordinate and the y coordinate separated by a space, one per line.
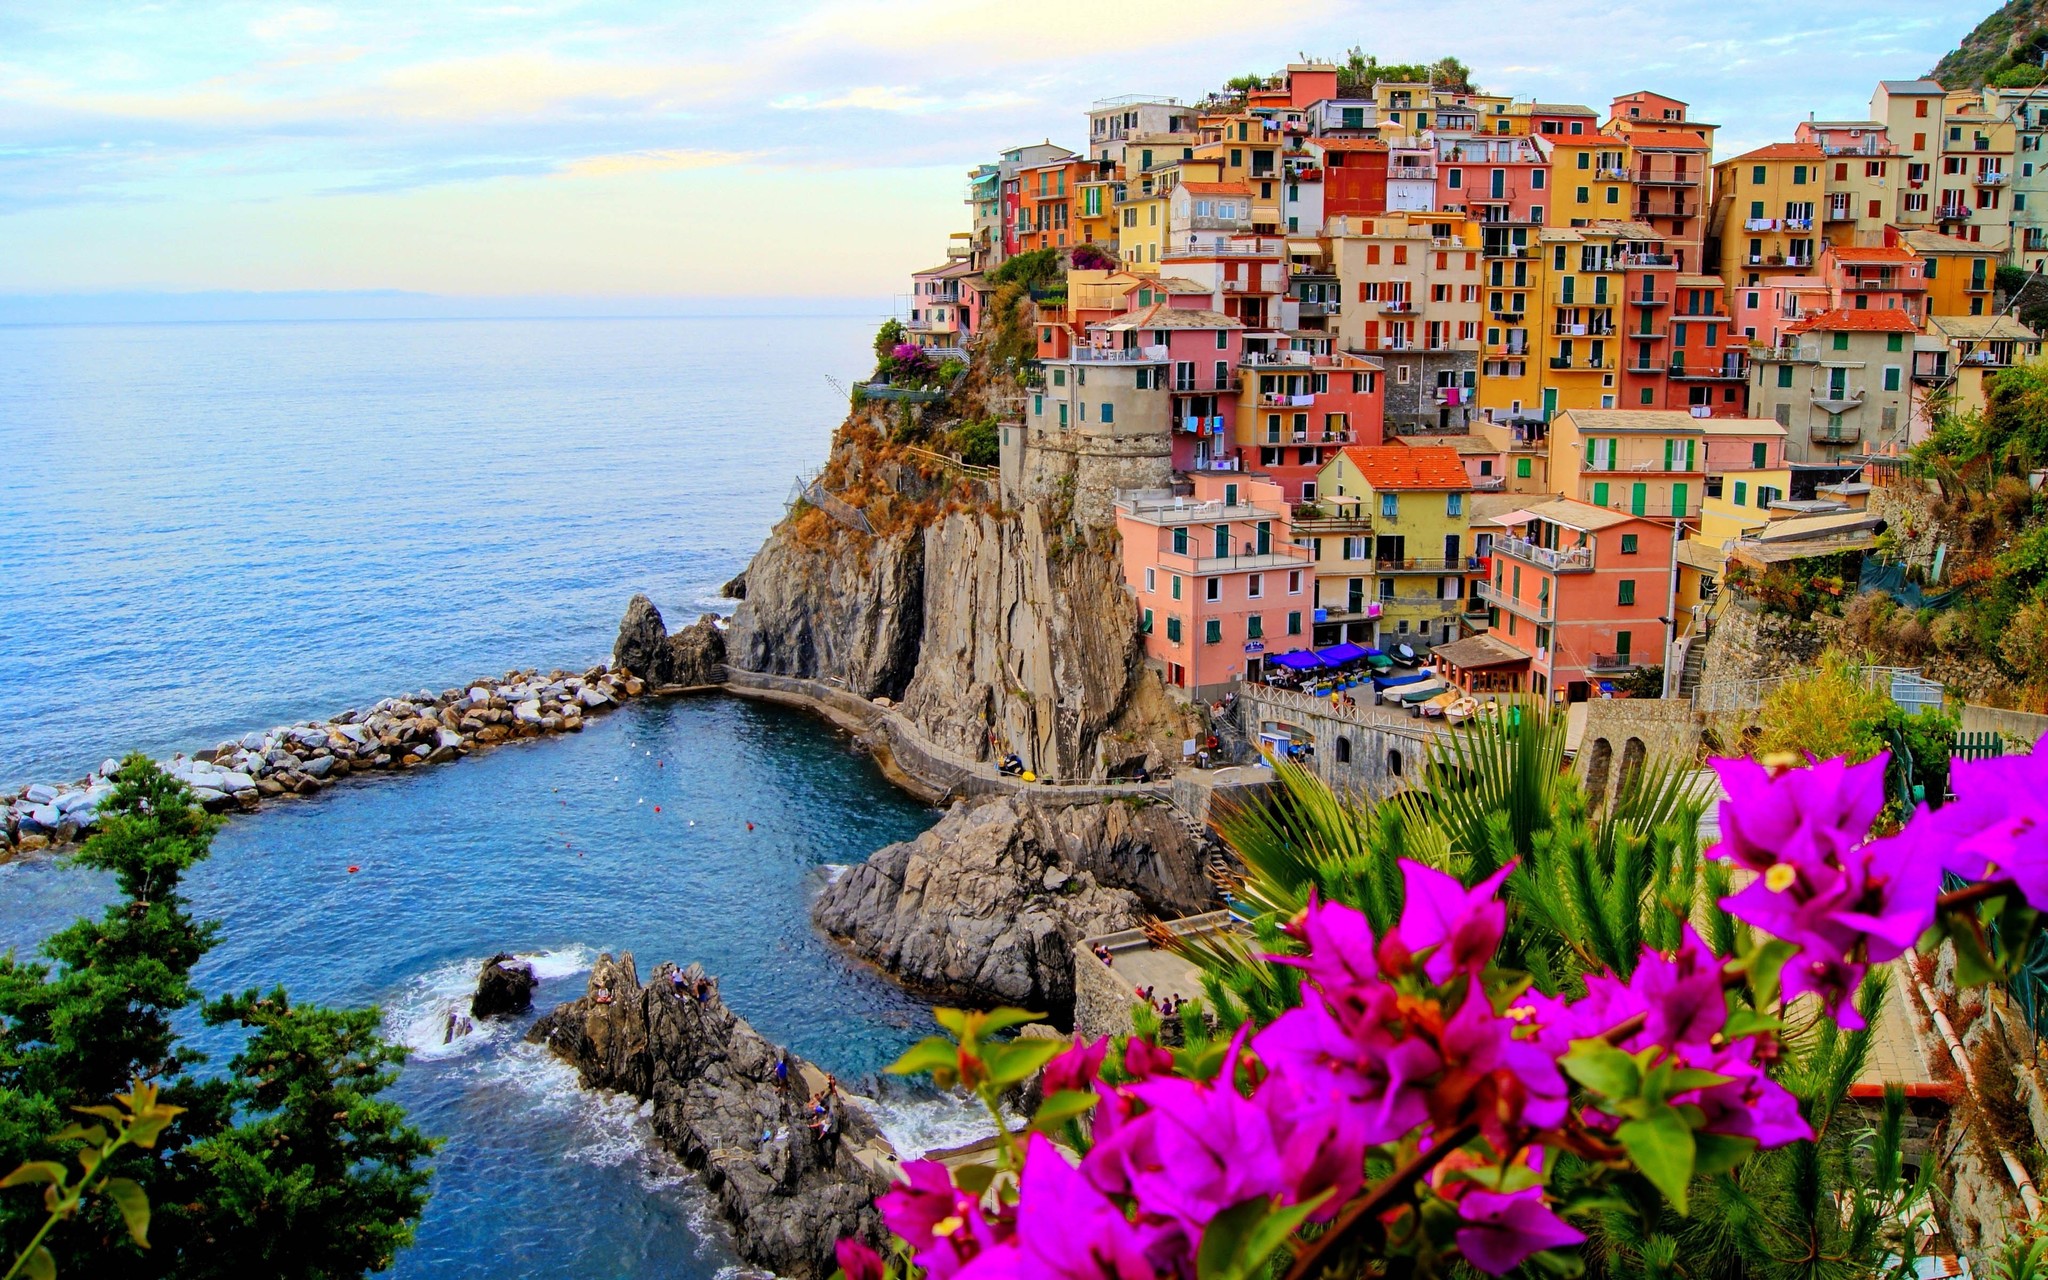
pixel 1632 754
pixel 1599 764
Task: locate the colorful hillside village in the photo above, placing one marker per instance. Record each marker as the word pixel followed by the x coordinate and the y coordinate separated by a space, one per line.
pixel 1497 386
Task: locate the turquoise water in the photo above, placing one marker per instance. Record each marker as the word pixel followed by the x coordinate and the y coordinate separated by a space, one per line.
pixel 262 522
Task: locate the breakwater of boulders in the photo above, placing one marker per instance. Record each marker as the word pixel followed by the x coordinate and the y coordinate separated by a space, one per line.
pixel 408 731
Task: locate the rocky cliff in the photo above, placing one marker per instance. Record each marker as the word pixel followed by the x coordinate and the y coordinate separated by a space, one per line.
pixel 693 656
pixel 986 907
pixel 2005 48
pixel 997 630
pixel 787 1190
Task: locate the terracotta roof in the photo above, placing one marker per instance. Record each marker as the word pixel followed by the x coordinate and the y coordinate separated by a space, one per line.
pixel 1782 151
pixel 1398 467
pixel 1935 242
pixel 1216 188
pixel 1868 253
pixel 1180 284
pixel 1846 321
pixel 1162 315
pixel 1467 443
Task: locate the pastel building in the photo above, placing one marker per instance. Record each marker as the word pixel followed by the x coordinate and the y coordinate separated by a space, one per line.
pixel 1838 385
pixel 1654 463
pixel 1218 578
pixel 1581 591
pixel 1769 204
pixel 1298 409
pixel 1195 379
pixel 1392 545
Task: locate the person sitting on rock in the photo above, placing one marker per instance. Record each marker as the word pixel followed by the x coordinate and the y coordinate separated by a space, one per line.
pixel 782 1069
pixel 703 990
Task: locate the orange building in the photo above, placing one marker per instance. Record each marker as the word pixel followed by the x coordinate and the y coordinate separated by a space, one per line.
pixel 1046 200
pixel 1582 591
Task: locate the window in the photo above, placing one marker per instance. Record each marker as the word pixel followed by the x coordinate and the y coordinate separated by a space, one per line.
pixel 1180 542
pixel 1784 375
pixel 1759 453
pixel 1294 623
pixel 1173 587
pixel 1173 630
pixel 1212 631
pixel 1294 582
pixel 1454 504
pixel 1891 377
pixel 1628 591
pixel 1151 579
pixel 1628 544
pixel 1757 175
pixel 1109 410
pixel 1842 341
pixel 1145 623
pixel 1212 589
pixel 1255 585
pixel 1522 468
pixel 1741 492
pixel 1038 406
pixel 1895 342
pixel 1390 505
pixel 1255 627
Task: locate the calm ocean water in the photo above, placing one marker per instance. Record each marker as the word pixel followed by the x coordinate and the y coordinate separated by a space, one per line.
pixel 213 528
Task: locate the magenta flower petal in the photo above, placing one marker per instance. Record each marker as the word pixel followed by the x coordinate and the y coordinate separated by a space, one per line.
pixel 1502 1230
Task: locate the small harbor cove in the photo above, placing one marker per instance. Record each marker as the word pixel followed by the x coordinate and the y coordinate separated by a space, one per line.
pixel 632 835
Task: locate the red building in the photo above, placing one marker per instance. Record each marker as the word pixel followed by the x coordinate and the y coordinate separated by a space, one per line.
pixel 1354 175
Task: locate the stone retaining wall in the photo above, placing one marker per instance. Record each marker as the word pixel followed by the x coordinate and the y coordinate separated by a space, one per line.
pixel 1623 734
pixel 1365 751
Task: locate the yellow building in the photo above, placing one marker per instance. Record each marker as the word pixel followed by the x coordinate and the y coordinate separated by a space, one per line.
pixel 1390 566
pixel 1960 275
pixel 1911 111
pixel 1768 206
pixel 1589 179
pixel 1411 294
pixel 1972 185
pixel 1524 451
pixel 1095 215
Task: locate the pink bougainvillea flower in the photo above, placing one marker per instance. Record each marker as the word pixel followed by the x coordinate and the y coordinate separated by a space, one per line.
pixel 1797 816
pixel 1509 1082
pixel 942 1224
pixel 1068 1230
pixel 1463 925
pixel 1500 1231
pixel 1378 1080
pixel 1076 1067
pixel 858 1261
pixel 1340 947
pixel 1997 825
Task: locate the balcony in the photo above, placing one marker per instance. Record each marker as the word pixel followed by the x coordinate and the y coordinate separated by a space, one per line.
pixel 1411 173
pixel 1615 662
pixel 1397 306
pixel 1610 173
pixel 1825 434
pixel 1838 399
pixel 1568 560
pixel 1730 371
pixel 1202 385
pixel 1416 564
pixel 1645 367
pixel 1652 178
pixel 1582 330
pixel 1538 610
pixel 1785 355
pixel 1994 178
pixel 1120 355
pixel 1838 211
pixel 1287 400
pixel 1640 260
pixel 1951 213
pixel 1648 298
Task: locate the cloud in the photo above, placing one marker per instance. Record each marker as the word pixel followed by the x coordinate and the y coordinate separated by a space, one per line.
pixel 672 160
pixel 901 100
pixel 294 24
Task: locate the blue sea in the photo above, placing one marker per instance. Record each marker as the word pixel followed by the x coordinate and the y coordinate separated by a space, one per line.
pixel 212 528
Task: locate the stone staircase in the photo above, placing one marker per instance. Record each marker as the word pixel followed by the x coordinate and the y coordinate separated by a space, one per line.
pixel 1695 666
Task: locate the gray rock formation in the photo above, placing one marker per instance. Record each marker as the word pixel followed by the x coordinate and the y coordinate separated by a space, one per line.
pixel 985 908
pixel 787 1191
pixel 693 656
pixel 735 587
pixel 849 608
pixel 505 986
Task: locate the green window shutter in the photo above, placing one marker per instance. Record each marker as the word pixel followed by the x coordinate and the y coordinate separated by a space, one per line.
pixel 1741 492
pixel 1173 630
pixel 1667 453
pixel 1757 454
pixel 1678 499
pixel 1690 456
pixel 1895 342
pixel 1628 544
pixel 1600 493
pixel 1628 591
pixel 1212 631
pixel 1842 341
pixel 1522 468
pixel 1255 627
pixel 1639 499
pixel 1784 375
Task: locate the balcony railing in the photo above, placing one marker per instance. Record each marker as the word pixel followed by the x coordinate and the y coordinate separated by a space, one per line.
pixel 1833 400
pixel 1536 609
pixel 1120 355
pixel 1416 564
pixel 1411 173
pixel 1397 306
pixel 1783 355
pixel 1645 298
pixel 1649 260
pixel 1825 434
pixel 1952 213
pixel 1729 372
pixel 1839 212
pixel 1203 385
pixel 1613 662
pixel 1995 178
pixel 1567 560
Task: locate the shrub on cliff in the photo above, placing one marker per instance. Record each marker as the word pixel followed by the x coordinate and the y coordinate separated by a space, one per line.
pixel 288 1163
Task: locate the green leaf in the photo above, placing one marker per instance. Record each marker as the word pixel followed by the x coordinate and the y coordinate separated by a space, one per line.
pixel 1603 1068
pixel 1058 1108
pixel 933 1053
pixel 1719 1152
pixel 1662 1146
pixel 1975 965
pixel 1237 1242
pixel 92 1134
pixel 39 1265
pixel 1745 1021
pixel 34 1171
pixel 112 1114
pixel 143 1131
pixel 953 1020
pixel 1003 1019
pixel 1764 966
pixel 1016 1061
pixel 1684 1079
pixel 974 1178
pixel 134 1207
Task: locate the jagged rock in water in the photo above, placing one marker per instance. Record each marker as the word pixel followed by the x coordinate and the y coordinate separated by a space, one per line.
pixel 787 1191
pixel 505 986
pixel 735 587
pixel 985 908
pixel 693 656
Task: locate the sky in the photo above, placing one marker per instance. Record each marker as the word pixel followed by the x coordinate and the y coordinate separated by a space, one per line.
pixel 745 149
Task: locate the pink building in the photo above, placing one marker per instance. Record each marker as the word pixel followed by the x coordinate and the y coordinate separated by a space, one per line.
pixel 1202 349
pixel 1495 179
pixel 1874 278
pixel 1218 578
pixel 1582 591
pixel 1764 311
